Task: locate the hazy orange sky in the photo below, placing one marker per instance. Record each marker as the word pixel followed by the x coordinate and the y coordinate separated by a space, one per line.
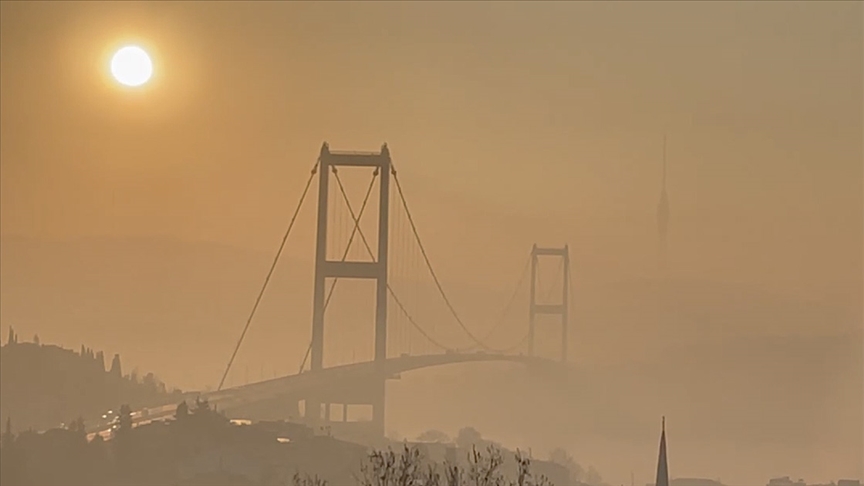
pixel 509 123
pixel 543 116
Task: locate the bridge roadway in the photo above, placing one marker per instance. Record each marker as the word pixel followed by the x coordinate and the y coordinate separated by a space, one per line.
pixel 310 381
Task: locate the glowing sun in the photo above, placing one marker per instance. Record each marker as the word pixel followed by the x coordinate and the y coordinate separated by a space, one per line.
pixel 131 66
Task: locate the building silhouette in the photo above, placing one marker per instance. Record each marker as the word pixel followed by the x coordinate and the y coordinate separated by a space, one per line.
pixel 662 467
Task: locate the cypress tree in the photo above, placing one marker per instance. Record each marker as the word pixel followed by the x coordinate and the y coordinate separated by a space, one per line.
pixel 115 366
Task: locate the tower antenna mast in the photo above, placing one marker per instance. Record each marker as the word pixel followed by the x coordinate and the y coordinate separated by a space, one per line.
pixel 663 215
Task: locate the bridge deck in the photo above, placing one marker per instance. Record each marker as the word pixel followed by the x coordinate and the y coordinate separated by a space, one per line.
pixel 304 382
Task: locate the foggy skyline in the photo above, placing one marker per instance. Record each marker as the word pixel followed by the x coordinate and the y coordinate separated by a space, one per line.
pixel 142 222
pixel 560 111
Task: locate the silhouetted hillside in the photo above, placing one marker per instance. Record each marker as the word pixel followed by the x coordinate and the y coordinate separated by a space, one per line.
pixel 201 447
pixel 43 386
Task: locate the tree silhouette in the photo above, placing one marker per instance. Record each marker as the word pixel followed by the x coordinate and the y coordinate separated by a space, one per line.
pixel 79 429
pixel 182 411
pixel 125 419
pixel 116 370
pixel 36 339
pixel 468 437
pixel 593 477
pixel 149 381
pixel 10 457
pixel 410 467
pixel 562 458
pixel 11 339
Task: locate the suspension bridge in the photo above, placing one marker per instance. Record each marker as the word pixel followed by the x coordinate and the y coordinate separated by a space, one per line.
pixel 403 341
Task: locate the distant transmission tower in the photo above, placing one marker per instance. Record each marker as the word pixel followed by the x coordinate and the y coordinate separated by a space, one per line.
pixel 663 216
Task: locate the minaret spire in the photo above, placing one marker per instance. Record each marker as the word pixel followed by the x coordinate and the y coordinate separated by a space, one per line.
pixel 662 466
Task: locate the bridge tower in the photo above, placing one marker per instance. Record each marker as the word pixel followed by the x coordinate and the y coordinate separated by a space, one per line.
pixel 328 269
pixel 562 309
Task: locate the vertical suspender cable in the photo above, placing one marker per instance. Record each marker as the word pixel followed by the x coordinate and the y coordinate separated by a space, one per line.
pixel 269 274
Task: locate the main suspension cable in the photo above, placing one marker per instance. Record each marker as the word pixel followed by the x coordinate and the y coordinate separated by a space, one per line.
pixel 269 274
pixel 431 269
pixel 414 323
pixel 548 295
pixel 512 299
pixel 389 289
pixel 518 344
